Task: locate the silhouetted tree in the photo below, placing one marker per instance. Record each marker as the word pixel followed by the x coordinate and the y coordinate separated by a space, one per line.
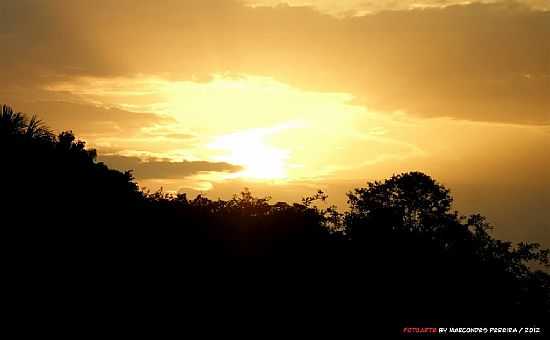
pixel 400 251
pixel 440 260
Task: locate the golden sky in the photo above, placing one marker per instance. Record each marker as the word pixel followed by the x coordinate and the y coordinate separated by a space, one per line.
pixel 286 97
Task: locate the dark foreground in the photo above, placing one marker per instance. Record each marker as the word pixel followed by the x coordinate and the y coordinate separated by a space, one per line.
pixel 85 248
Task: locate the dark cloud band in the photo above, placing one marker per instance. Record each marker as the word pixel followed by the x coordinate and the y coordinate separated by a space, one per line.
pixel 165 169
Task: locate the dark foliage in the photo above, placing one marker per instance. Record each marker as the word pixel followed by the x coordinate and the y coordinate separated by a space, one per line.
pixel 399 254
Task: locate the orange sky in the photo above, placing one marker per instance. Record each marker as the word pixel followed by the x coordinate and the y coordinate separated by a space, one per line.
pixel 213 95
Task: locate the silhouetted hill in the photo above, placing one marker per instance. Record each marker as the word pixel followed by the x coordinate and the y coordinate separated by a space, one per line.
pixel 399 256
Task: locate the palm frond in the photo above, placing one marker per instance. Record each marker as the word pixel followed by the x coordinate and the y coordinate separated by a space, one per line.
pixel 37 129
pixel 16 123
pixel 11 121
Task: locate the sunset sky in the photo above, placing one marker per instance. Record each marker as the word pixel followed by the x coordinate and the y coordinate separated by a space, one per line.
pixel 287 97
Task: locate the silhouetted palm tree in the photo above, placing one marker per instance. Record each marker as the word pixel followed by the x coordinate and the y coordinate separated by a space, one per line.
pixel 36 129
pixel 11 122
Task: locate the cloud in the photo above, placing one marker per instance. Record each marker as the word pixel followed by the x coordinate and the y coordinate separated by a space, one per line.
pixel 358 7
pixel 165 169
pixel 89 120
pixel 486 62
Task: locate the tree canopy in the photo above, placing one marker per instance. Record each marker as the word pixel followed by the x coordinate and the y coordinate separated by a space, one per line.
pixel 399 246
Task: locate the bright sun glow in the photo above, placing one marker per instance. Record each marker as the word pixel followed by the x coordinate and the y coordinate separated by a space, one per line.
pixel 250 150
pixel 275 132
